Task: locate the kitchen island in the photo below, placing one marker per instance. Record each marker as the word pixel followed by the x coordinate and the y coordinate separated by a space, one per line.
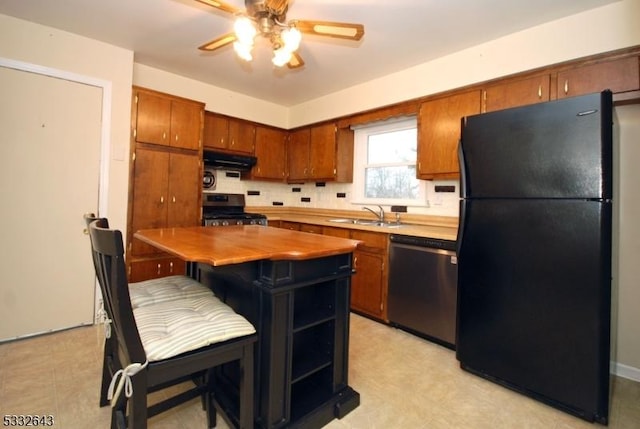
pixel 294 288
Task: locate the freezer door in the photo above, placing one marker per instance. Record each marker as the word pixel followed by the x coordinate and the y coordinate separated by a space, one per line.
pixel 560 149
pixel 534 285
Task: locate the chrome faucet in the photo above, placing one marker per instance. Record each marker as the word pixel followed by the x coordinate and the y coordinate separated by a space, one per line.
pixel 379 215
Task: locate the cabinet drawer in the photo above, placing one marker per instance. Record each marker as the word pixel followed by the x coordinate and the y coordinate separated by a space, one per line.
pixel 336 232
pixel 145 269
pixel 372 241
pixel 315 229
pixel 285 224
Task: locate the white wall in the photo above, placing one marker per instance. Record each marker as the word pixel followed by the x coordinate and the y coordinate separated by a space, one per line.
pixel 627 252
pixel 217 100
pixel 47 47
pixel 603 29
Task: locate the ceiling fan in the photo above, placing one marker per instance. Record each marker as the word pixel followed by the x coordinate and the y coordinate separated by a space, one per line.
pixel 267 18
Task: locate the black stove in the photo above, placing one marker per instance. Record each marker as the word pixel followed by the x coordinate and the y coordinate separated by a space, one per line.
pixel 227 209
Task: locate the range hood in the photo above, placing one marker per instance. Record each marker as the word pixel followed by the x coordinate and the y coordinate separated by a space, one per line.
pixel 226 161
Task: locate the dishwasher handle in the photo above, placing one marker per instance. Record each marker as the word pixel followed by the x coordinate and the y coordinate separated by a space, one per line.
pixel 433 243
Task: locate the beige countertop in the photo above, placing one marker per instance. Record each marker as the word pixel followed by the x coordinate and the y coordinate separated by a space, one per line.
pixel 440 227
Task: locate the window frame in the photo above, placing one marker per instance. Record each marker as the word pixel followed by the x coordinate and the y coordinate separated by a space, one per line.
pixel 361 136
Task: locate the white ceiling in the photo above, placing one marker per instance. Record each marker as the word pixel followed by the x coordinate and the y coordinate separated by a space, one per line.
pixel 399 34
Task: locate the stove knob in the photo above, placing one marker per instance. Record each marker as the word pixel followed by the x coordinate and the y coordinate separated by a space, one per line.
pixel 225 223
pixel 239 222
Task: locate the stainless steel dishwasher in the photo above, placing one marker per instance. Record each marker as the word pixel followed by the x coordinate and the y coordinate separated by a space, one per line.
pixel 423 277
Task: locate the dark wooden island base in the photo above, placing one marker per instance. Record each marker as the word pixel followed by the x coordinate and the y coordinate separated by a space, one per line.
pixel 299 303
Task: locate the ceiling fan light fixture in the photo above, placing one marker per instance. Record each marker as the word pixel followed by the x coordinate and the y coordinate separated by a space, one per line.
pixel 245 30
pixel 243 50
pixel 291 38
pixel 268 18
pixel 281 57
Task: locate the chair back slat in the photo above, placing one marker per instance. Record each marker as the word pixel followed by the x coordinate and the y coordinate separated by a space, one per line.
pixel 106 296
pixel 108 248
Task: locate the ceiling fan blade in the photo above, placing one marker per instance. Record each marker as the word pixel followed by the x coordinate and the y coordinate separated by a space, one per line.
pixel 221 41
pixel 295 61
pixel 342 30
pixel 279 7
pixel 226 7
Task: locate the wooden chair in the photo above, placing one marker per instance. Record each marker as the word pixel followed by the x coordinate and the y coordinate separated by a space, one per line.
pixel 194 336
pixel 141 293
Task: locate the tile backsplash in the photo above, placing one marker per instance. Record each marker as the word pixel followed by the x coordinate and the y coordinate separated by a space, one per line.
pixel 329 195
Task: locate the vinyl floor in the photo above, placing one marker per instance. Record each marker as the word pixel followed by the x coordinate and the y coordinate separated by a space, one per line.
pixel 404 382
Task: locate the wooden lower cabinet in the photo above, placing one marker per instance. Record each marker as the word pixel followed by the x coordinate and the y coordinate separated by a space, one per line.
pixel 144 269
pixel 369 283
pixel 367 287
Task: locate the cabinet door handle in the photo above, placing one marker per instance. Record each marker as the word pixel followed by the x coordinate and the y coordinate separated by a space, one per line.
pixel 355 262
pixel 233 142
pixel 159 267
pixel 162 199
pixel 164 135
pixel 176 137
pixel 539 91
pixel 171 267
pixel 173 199
pixel 566 86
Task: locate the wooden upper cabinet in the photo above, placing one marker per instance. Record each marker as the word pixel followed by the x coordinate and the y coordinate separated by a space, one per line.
pixel 617 75
pixel 153 118
pixel 228 134
pixel 322 152
pixel 167 121
pixel 439 134
pixel 516 93
pixel 298 155
pixel 186 125
pixel 216 131
pixel 270 149
pixel 242 135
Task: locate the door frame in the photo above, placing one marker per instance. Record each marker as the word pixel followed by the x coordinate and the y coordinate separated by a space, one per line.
pixel 105 135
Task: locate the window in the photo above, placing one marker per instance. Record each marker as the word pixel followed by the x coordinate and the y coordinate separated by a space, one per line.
pixel 385 164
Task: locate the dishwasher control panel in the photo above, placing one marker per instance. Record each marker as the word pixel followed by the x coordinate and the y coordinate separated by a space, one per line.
pixel 433 243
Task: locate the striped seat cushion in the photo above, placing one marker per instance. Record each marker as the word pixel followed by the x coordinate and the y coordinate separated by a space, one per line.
pixel 170 328
pixel 164 289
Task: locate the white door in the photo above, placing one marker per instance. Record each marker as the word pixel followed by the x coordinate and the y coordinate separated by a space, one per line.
pixel 50 134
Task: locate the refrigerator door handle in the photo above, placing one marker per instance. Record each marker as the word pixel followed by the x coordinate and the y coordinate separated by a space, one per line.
pixel 461 224
pixel 463 170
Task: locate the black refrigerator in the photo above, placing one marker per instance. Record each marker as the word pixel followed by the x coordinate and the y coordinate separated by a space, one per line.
pixel 534 251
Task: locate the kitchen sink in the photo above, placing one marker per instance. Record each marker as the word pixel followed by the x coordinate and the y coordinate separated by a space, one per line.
pixel 367 222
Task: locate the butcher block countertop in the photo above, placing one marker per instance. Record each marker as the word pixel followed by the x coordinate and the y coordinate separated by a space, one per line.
pixel 243 243
pixel 439 227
